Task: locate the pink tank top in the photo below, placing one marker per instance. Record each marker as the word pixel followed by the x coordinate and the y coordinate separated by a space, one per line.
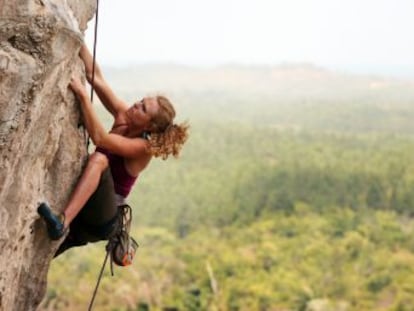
pixel 123 181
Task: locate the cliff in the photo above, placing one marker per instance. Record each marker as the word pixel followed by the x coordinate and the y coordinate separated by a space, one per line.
pixel 42 149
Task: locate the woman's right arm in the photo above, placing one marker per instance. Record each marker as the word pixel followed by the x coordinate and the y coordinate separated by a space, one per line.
pixel 123 146
pixel 108 98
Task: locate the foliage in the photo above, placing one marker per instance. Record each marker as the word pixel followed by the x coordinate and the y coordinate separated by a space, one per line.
pixel 295 196
pixel 280 263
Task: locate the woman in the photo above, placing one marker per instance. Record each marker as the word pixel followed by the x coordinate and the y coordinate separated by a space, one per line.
pixel 139 132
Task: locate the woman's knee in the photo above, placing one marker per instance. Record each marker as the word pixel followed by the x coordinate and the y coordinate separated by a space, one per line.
pixel 98 160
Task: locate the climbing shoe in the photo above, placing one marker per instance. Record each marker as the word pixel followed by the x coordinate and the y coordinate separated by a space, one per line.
pixel 54 222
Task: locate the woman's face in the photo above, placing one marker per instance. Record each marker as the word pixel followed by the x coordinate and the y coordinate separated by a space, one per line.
pixel 142 112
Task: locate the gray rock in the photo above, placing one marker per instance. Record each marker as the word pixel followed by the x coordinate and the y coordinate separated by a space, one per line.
pixel 42 148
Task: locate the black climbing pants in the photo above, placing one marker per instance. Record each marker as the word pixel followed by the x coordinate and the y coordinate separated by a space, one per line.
pixel 98 220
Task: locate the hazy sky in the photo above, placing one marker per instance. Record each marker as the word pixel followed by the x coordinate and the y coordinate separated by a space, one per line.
pixel 371 35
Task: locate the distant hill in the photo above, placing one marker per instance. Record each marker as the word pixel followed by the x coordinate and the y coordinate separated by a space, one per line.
pixel 289 95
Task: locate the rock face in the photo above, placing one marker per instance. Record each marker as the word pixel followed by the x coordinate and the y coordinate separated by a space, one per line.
pixel 42 149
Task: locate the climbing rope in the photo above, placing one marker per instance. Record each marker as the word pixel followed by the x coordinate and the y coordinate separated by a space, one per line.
pixel 88 140
pixel 126 214
pixel 99 281
pixel 95 39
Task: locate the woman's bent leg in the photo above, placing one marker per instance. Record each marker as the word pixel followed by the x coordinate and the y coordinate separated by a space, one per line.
pixel 98 218
pixel 86 186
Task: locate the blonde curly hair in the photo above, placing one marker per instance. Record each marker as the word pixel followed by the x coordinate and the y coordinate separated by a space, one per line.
pixel 166 137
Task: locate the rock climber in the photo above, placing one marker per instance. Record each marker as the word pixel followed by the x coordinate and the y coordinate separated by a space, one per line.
pixel 139 132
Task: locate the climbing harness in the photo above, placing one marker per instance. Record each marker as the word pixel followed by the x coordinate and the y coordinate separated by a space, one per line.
pixel 121 247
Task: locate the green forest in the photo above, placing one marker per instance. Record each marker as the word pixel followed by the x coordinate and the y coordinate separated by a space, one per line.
pixel 294 192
